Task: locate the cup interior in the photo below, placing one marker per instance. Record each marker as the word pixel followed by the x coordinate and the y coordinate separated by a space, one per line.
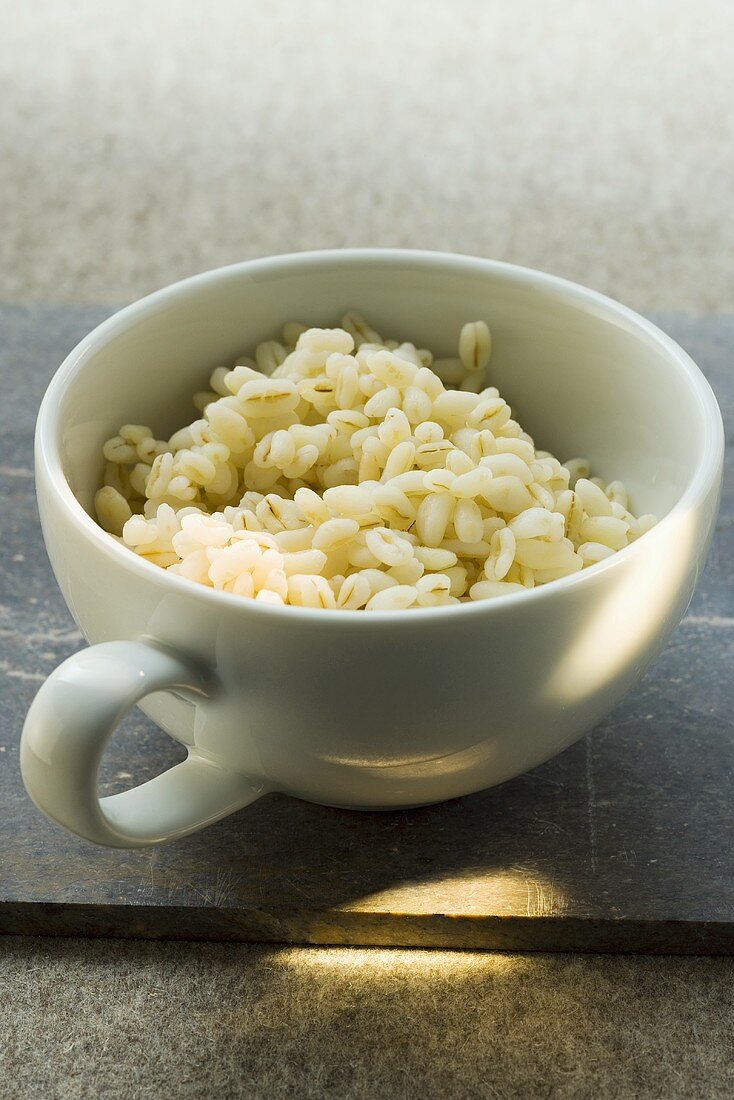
pixel 584 376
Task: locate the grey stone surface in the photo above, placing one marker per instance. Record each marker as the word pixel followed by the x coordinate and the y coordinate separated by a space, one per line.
pixel 623 842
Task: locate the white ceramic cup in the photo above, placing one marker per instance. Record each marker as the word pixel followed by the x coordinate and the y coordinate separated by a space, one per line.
pixel 369 710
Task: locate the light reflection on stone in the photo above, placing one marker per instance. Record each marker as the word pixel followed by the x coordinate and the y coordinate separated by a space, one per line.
pixel 512 893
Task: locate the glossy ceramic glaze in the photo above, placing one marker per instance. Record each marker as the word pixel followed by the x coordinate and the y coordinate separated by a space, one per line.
pixel 373 710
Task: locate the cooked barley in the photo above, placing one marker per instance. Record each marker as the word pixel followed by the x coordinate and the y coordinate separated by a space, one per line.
pixel 335 469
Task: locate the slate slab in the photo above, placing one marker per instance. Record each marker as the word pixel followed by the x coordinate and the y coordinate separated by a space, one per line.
pixel 623 843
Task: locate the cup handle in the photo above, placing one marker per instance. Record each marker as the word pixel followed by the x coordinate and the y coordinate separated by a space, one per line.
pixel 68 726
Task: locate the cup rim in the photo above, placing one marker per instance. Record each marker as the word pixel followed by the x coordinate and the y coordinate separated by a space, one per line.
pixel 48 456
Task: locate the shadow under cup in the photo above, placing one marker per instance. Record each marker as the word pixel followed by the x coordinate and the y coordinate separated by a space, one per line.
pixel 444 704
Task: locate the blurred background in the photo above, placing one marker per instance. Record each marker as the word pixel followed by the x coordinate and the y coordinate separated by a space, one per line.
pixel 147 141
